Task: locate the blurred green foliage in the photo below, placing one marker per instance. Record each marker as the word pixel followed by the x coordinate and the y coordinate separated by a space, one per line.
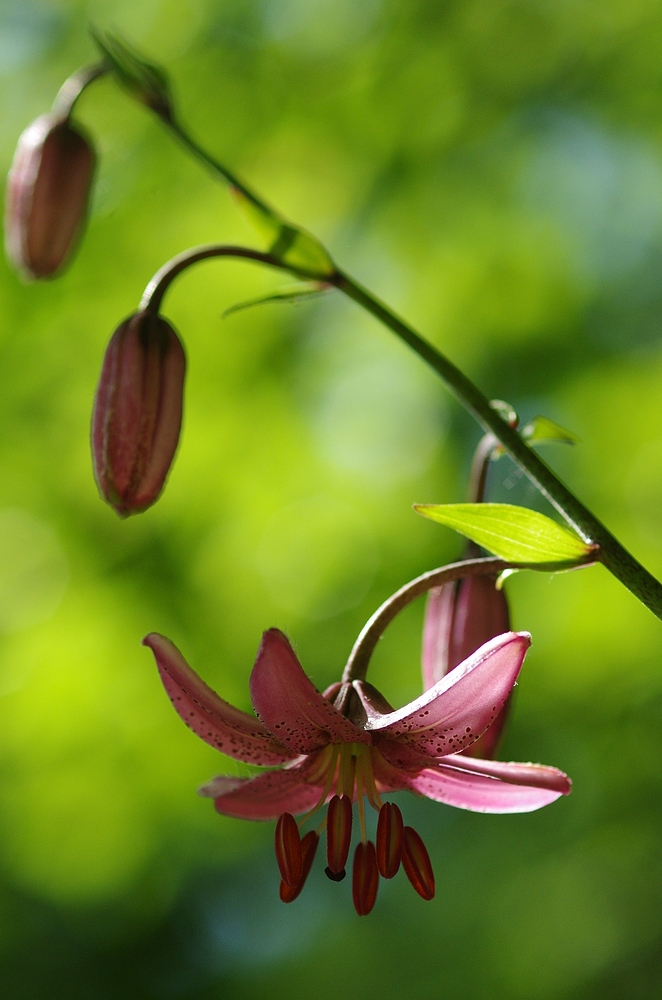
pixel 493 169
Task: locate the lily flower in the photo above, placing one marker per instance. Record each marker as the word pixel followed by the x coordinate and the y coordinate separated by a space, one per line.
pixel 348 745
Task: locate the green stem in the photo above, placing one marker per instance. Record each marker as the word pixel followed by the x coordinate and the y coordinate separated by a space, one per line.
pixel 159 284
pixel 74 86
pixel 611 553
pixel 359 659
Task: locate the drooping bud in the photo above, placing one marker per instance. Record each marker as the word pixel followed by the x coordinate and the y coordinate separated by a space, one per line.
pixel 389 840
pixel 416 863
pixel 289 854
pixel 288 893
pixel 138 412
pixel 460 617
pixel 365 878
pixel 47 195
pixel 338 834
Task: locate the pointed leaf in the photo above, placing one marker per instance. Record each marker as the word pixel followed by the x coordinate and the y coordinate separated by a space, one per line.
pixel 290 244
pixel 514 533
pixel 293 296
pixel 541 430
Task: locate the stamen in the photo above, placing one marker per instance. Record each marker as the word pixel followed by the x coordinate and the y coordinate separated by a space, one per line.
pixel 335 750
pixel 359 793
pixel 416 863
pixel 390 831
pixel 365 878
pixel 347 771
pixel 288 893
pixel 370 786
pixel 288 849
pixel 338 832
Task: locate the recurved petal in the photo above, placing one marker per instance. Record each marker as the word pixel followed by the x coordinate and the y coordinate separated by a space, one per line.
pixel 459 707
pixel 269 795
pixel 490 786
pixel 218 723
pixel 220 785
pixel 289 704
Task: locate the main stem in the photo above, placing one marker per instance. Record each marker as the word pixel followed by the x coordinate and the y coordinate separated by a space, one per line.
pixel 611 553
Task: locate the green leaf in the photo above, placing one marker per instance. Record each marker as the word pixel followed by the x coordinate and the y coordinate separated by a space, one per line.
pixel 513 533
pixel 147 82
pixel 293 296
pixel 541 429
pixel 290 244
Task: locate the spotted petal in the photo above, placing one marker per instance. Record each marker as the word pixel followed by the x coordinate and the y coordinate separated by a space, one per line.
pixel 457 710
pixel 218 723
pixel 289 704
pixel 270 794
pixel 480 785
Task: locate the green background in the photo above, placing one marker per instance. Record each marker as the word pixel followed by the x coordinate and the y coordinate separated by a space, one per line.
pixel 493 170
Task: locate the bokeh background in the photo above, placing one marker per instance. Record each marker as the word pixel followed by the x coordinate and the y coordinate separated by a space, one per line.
pixel 493 169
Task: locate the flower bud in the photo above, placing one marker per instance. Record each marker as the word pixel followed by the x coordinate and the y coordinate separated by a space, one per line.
pixel 138 412
pixel 460 617
pixel 47 195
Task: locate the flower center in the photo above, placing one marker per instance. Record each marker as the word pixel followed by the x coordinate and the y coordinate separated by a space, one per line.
pixel 347 772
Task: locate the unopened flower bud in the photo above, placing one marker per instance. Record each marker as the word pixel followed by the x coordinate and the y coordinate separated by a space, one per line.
pixel 138 412
pixel 459 618
pixel 47 195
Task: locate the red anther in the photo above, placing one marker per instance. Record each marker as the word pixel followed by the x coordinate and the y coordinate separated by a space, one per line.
pixel 288 849
pixel 338 832
pixel 416 863
pixel 389 840
pixel 288 893
pixel 365 878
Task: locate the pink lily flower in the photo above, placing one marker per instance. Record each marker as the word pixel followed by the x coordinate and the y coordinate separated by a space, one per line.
pixel 348 744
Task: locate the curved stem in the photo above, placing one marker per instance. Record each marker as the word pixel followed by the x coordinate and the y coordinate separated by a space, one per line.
pixel 158 286
pixel 74 86
pixel 372 631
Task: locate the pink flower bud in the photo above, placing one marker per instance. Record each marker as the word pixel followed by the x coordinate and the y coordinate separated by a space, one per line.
pixel 138 412
pixel 47 195
pixel 460 617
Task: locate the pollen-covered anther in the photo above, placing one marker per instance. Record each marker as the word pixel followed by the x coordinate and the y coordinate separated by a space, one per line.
pixel 416 863
pixel 288 850
pixel 365 878
pixel 338 833
pixel 390 829
pixel 288 893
